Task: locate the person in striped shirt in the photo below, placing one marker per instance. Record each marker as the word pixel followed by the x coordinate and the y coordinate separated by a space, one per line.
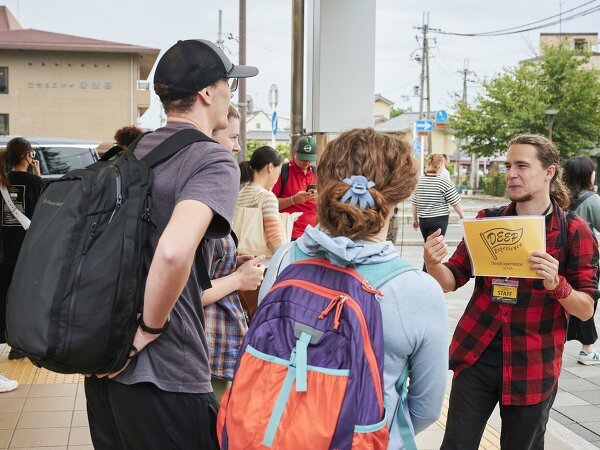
pixel 261 173
pixel 431 199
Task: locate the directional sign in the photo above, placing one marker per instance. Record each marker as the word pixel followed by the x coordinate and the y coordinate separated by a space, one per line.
pixel 416 145
pixel 441 116
pixel 424 125
pixel 274 123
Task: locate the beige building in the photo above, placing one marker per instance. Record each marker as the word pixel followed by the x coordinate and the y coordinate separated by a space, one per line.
pixel 584 43
pixel 383 108
pixel 442 140
pixel 67 86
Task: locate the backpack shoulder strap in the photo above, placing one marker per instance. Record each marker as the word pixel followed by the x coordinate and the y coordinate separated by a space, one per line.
pixel 399 418
pixel 494 212
pixel 379 274
pixel 580 200
pixel 173 144
pixel 285 175
pixel 376 274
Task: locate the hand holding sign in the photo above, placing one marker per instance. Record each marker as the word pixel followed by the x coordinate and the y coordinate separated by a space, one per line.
pixel 547 267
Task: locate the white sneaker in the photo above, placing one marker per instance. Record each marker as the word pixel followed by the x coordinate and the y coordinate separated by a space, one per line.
pixel 7 385
pixel 589 358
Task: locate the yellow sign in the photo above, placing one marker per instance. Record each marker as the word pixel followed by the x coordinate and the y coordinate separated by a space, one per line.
pixel 500 246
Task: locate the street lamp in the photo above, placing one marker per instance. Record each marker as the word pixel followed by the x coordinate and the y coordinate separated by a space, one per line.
pixel 551 113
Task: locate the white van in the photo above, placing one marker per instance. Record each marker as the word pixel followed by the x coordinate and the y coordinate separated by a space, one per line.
pixel 58 156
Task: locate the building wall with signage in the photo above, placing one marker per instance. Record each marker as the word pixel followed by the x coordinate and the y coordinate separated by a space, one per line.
pixel 71 94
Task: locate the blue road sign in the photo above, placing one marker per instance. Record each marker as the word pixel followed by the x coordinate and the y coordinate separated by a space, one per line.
pixel 416 145
pixel 424 125
pixel 274 123
pixel 441 116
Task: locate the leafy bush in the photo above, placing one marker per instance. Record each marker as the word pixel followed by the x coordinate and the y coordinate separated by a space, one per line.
pixel 494 185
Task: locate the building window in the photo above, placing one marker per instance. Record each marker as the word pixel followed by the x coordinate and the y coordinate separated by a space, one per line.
pixel 3 80
pixel 581 46
pixel 3 124
pixel 258 126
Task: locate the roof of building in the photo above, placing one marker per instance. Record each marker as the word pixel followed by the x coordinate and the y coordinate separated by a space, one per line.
pixel 7 20
pixel 30 39
pixel 383 99
pixel 14 37
pixel 401 123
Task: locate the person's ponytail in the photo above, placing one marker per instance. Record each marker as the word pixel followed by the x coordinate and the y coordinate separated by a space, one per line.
pixel 560 192
pixel 4 181
pixel 245 172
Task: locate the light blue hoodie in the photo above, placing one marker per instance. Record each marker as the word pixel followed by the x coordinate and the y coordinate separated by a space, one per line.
pixel 415 324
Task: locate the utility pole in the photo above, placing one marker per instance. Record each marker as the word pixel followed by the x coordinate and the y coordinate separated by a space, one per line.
pixel 474 178
pixel 242 101
pixel 426 46
pixel 220 42
pixel 425 78
pixel 297 121
pixel 423 56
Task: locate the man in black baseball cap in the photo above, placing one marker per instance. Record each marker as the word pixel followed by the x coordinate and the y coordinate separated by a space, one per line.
pixel 194 67
pixel 163 398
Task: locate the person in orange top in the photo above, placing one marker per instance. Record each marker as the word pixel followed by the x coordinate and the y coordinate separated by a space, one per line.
pixel 296 188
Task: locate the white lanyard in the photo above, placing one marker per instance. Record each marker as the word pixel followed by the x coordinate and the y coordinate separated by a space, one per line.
pixel 22 218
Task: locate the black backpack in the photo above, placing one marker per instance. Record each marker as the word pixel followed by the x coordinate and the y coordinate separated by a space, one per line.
pixel 79 280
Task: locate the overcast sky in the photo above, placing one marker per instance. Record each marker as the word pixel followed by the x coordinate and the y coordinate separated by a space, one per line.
pixel 269 37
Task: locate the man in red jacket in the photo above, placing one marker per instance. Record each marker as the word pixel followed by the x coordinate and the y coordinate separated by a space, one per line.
pixel 296 188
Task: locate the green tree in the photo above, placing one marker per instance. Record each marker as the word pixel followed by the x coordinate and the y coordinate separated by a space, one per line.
pixel 396 112
pixel 516 102
pixel 283 149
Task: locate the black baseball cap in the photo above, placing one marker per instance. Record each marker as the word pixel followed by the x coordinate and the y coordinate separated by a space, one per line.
pixel 191 65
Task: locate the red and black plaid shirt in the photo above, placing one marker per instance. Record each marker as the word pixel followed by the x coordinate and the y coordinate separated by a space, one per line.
pixel 533 330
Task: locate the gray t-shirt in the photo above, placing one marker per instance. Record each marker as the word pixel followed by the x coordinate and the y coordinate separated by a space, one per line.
pixel 205 171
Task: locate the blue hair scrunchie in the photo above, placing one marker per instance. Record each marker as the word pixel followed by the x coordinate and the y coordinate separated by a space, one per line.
pixel 358 193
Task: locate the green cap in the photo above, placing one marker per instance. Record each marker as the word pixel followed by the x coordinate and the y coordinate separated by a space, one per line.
pixel 306 149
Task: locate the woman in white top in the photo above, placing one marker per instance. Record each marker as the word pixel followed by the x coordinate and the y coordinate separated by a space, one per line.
pixel 261 173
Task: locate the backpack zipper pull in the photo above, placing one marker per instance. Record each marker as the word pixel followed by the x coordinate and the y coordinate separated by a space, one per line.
pixel 329 307
pixel 338 304
pixel 338 312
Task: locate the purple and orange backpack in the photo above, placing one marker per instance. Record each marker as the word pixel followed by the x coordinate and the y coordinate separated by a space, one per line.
pixel 310 370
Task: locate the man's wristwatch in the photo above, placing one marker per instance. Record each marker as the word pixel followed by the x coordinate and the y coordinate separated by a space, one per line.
pixel 146 329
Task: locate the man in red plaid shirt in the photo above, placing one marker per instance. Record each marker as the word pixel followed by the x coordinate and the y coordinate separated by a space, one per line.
pixel 509 350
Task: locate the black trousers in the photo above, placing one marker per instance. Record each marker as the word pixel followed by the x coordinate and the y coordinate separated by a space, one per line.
pixel 582 331
pixel 141 416
pixel 475 393
pixel 428 225
pixel 6 274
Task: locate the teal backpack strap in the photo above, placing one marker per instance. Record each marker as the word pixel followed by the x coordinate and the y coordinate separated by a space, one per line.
pixel 399 418
pixel 379 274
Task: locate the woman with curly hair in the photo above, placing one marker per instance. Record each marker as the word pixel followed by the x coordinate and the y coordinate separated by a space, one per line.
pixel 362 176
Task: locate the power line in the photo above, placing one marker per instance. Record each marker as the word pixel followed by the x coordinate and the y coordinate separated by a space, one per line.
pixel 517 30
pixel 560 14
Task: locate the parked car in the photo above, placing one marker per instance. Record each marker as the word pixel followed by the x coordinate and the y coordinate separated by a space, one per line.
pixel 58 156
